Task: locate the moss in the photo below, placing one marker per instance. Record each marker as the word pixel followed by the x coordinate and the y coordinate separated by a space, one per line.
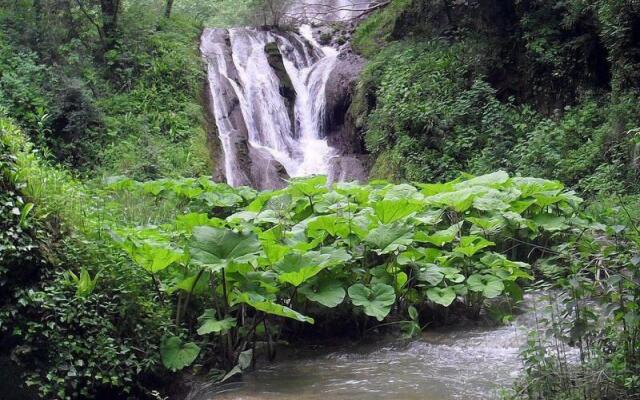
pixel 376 30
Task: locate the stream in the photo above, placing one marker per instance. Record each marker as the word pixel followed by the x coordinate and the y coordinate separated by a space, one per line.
pixel 444 363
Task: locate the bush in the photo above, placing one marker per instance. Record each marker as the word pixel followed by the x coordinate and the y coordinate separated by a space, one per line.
pixel 78 319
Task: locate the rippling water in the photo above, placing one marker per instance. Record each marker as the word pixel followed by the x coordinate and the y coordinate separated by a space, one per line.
pixel 453 363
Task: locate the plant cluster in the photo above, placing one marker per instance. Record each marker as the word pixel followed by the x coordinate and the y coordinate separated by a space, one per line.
pixel 541 93
pixel 585 344
pixel 75 316
pixel 136 108
pixel 242 267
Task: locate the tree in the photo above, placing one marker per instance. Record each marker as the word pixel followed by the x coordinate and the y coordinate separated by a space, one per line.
pixel 167 9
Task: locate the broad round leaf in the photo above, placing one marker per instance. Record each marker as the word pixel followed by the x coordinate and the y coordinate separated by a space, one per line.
pixel 442 296
pixel 491 286
pixel 327 292
pixel 177 355
pixel 376 301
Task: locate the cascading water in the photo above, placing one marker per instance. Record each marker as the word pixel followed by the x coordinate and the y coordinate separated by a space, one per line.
pixel 469 362
pixel 271 121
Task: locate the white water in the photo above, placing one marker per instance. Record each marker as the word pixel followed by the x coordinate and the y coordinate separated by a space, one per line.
pixel 448 363
pixel 254 124
pixel 300 148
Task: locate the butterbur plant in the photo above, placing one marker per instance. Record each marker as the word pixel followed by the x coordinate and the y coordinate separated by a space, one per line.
pixel 263 263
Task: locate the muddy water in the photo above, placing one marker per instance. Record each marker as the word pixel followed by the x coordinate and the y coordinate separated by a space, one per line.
pixel 454 363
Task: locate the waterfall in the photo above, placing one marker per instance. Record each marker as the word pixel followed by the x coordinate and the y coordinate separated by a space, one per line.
pixel 268 95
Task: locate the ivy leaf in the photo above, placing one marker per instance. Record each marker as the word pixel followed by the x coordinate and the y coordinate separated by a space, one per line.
pixel 489 285
pixel 376 300
pixel 211 325
pixel 442 296
pixel 327 292
pixel 176 355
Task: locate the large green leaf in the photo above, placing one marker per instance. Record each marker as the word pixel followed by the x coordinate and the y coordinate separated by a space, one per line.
pixel 154 257
pixel 442 296
pixel 308 187
pixel 389 238
pixel 470 245
pixel 222 199
pixel 440 238
pixel 532 186
pixel 486 225
pixel 327 292
pixel 431 273
pixel 176 355
pixel 261 303
pixel 418 256
pixel 187 222
pixel 550 222
pixel 331 225
pixel 376 301
pixel 495 179
pixel 389 211
pixel 504 268
pixel 209 323
pixel 297 268
pixel 489 285
pixel 460 200
pixel 216 247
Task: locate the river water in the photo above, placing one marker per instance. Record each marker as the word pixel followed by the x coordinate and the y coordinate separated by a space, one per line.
pixel 447 363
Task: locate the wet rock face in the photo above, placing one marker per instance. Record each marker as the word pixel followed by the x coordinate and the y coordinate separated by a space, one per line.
pixel 349 167
pixel 250 166
pixel 266 171
pixel 287 91
pixel 341 130
pixel 226 103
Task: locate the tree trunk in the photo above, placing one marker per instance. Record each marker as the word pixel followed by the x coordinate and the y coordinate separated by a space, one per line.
pixel 167 10
pixel 110 10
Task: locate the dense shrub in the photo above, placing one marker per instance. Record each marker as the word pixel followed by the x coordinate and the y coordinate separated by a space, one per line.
pixel 135 109
pixel 73 313
pixel 444 92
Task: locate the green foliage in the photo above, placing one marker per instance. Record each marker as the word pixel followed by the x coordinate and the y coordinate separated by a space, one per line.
pixel 377 29
pixel 82 318
pixel 530 94
pixel 135 109
pixel 376 301
pixel 160 115
pixel 588 325
pixel 176 355
pixel 267 255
